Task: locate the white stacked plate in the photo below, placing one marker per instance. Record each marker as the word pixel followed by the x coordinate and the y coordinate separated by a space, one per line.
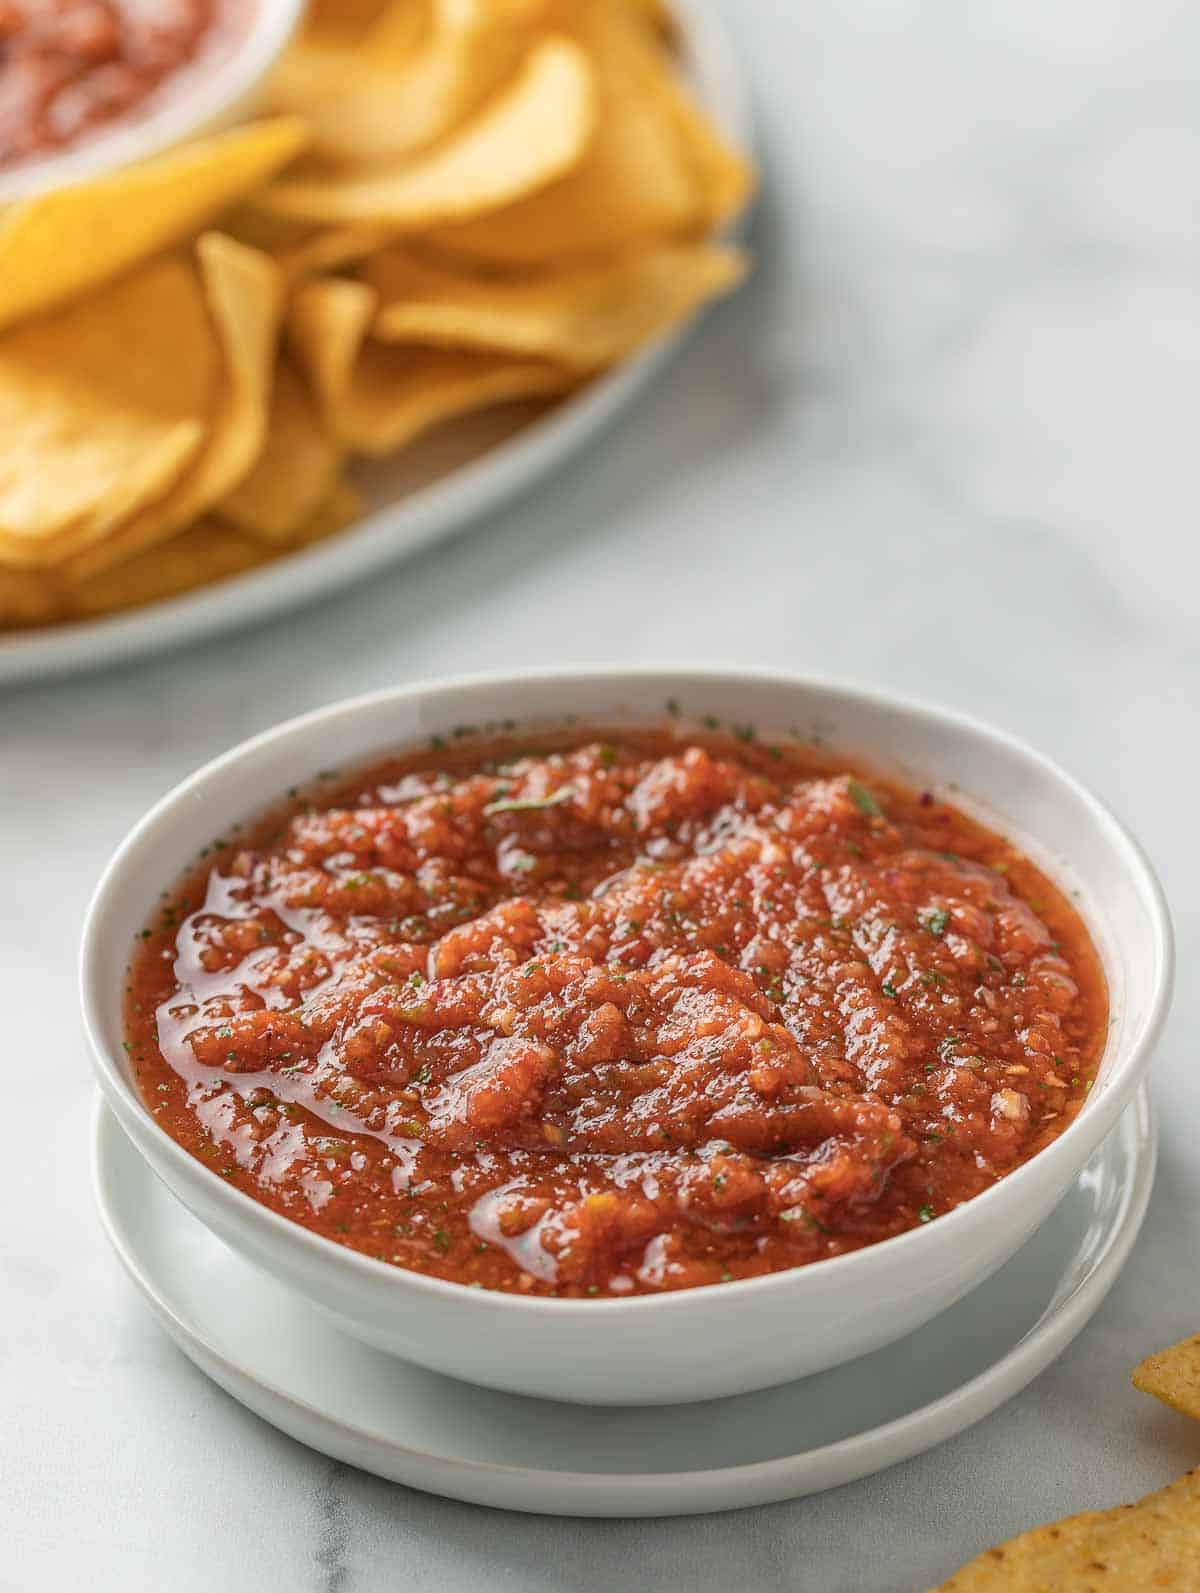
pixel 325 1388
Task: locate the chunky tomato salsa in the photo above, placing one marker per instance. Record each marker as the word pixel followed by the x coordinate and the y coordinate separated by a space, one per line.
pixel 70 66
pixel 614 1016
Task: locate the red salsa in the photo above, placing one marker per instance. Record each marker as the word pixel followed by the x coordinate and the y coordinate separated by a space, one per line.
pixel 69 67
pixel 614 1016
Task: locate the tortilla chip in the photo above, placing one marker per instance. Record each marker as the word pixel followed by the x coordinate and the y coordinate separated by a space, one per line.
pixel 376 398
pixel 660 14
pixel 1152 1544
pixel 205 552
pixel 387 98
pixel 351 19
pixel 399 393
pixel 208 551
pixel 341 508
pixel 401 27
pixel 102 408
pixel 327 324
pixel 726 178
pixel 405 25
pixel 637 181
pixel 245 297
pixel 325 251
pixel 583 319
pixel 337 37
pixel 1173 1376
pixel 27 597
pixel 526 137
pixel 295 472
pixel 300 249
pixel 66 242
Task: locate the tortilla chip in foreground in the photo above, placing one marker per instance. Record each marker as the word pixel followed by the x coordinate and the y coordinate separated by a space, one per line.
pixel 1152 1544
pixel 378 397
pixel 103 406
pixel 245 297
pixel 526 137
pixel 1173 1375
pixel 66 242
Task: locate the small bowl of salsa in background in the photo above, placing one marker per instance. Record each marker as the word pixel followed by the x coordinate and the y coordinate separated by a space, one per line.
pixel 706 1059
pixel 87 86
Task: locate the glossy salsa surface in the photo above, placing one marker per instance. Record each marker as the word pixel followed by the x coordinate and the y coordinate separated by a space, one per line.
pixel 607 1014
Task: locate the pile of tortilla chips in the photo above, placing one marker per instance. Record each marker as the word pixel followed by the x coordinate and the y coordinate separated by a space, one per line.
pixel 1154 1543
pixel 450 204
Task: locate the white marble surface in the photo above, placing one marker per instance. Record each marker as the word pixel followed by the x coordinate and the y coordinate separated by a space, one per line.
pixel 946 440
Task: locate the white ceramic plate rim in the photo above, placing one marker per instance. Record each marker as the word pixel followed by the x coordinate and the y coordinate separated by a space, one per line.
pixel 420 518
pixel 671 680
pixel 689 1492
pixel 204 99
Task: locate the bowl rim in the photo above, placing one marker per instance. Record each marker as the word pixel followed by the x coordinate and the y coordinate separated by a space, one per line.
pixel 203 102
pixel 242 1208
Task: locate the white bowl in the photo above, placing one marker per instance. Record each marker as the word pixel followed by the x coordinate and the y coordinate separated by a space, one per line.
pixel 209 95
pixel 698 1343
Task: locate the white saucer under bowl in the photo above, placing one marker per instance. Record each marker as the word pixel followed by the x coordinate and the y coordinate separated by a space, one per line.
pixel 290 1366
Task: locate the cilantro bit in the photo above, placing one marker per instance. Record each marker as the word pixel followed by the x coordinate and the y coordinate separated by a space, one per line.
pixel 925 1214
pixel 864 800
pixel 938 922
pixel 889 991
pixel 530 804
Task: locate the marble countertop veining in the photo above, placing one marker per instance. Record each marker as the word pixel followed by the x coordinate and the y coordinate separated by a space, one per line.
pixel 946 439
